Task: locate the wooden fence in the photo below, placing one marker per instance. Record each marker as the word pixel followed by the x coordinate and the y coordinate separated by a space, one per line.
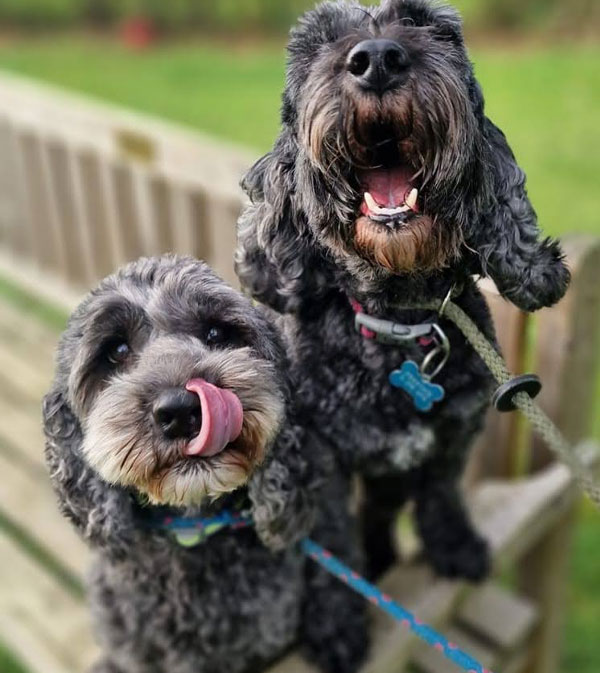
pixel 85 187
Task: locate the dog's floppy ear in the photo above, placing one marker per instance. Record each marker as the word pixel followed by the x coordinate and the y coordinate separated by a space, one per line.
pixel 528 270
pixel 102 513
pixel 277 260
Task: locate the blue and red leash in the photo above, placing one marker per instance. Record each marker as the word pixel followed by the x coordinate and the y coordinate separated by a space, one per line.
pixel 205 527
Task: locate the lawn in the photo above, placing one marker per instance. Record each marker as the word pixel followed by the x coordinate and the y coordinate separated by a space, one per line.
pixel 546 99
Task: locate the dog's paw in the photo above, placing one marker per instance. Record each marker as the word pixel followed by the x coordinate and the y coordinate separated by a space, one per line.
pixel 466 558
pixel 281 522
pixel 545 283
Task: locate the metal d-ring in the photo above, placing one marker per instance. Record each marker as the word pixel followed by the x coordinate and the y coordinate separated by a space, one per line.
pixel 446 300
pixel 443 348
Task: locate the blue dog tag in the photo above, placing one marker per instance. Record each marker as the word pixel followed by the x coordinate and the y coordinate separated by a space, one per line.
pixel 410 379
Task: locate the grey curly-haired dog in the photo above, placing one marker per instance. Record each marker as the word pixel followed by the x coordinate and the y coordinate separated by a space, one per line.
pixel 389 186
pixel 171 399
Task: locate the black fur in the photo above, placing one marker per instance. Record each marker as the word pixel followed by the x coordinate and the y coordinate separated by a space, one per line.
pixel 299 253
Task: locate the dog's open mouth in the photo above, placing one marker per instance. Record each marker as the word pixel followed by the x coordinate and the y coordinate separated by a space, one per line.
pixel 391 228
pixel 390 197
pixel 222 419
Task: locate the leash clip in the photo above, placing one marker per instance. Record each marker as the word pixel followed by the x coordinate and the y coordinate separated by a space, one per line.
pixel 436 359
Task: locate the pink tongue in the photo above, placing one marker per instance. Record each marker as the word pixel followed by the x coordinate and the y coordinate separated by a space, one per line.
pixel 388 187
pixel 222 417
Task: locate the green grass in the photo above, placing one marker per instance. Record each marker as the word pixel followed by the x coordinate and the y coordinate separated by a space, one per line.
pixel 8 664
pixel 546 100
pixel 582 651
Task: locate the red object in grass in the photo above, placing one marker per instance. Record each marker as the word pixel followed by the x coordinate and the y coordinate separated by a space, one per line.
pixel 138 32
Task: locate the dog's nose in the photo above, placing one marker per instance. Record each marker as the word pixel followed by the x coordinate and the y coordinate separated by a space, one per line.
pixel 178 414
pixel 378 65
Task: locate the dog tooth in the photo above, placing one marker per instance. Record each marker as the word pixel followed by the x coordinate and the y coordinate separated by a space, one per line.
pixel 376 209
pixel 372 205
pixel 411 199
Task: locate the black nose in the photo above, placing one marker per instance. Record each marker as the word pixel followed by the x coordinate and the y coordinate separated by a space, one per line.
pixel 378 65
pixel 178 414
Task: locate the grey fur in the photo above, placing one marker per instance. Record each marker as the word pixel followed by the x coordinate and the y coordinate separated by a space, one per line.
pixel 230 604
pixel 300 252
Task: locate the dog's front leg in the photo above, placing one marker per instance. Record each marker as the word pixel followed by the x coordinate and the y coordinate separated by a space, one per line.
pixel 451 543
pixel 383 498
pixel 334 625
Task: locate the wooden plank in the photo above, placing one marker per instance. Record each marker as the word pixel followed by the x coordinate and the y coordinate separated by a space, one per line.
pixel 22 381
pixel 20 432
pixel 429 660
pixel 517 663
pixel 516 515
pixel 187 235
pixel 41 236
pixel 30 338
pixel 499 617
pixel 25 273
pixel 128 218
pixel 6 198
pixel 27 500
pixel 201 244
pixel 542 577
pixel 76 265
pixel 96 213
pixel 46 627
pixel 567 348
pixel 163 222
pixel 12 216
pixel 220 229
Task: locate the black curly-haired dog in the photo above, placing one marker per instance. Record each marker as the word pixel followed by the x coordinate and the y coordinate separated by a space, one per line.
pixel 170 398
pixel 388 186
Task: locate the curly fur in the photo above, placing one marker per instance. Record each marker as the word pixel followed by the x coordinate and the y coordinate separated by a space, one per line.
pixel 304 248
pixel 242 598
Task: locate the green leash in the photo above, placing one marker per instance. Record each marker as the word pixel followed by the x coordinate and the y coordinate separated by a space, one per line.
pixel 540 422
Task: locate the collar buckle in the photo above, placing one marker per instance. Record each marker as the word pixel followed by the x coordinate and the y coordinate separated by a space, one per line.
pixel 389 332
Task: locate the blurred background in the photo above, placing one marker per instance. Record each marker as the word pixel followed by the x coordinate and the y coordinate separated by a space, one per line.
pixel 215 69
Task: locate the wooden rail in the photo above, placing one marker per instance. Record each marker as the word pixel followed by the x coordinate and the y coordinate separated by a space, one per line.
pixel 85 187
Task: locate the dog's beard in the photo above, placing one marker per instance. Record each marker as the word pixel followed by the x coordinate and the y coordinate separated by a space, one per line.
pixel 123 446
pixel 417 141
pixel 416 247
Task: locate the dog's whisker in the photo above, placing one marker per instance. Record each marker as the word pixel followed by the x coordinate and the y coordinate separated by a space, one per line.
pixel 128 448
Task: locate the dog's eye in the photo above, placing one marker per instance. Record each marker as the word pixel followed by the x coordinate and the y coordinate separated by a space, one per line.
pixel 117 352
pixel 216 335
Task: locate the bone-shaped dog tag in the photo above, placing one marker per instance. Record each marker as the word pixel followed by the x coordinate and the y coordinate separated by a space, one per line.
pixel 410 379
